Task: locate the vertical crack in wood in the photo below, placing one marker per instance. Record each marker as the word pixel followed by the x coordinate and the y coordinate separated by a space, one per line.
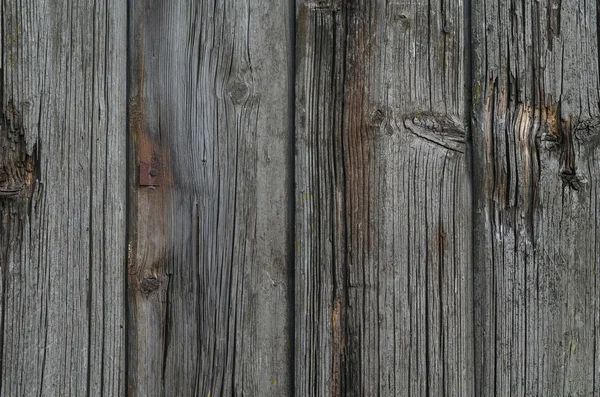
pixel 471 200
pixel 3 232
pixel 290 190
pixel 3 222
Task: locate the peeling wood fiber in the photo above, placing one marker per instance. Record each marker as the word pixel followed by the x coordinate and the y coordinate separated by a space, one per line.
pixel 535 155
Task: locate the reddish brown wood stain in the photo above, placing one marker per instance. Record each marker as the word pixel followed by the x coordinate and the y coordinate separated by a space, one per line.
pixel 338 351
pixel 358 228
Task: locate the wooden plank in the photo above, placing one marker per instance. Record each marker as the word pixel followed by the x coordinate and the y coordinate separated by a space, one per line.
pixel 536 123
pixel 209 237
pixel 62 197
pixel 383 267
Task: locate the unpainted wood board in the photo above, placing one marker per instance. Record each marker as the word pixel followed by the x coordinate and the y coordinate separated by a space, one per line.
pixel 535 136
pixel 383 254
pixel 209 266
pixel 62 197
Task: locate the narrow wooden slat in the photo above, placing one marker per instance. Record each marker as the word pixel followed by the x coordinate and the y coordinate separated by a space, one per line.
pixel 383 253
pixel 536 124
pixel 209 268
pixel 62 197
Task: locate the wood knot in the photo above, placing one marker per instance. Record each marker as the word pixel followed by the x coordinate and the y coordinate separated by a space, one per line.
pixel 549 141
pixel 150 172
pixel 574 180
pixel 438 129
pixel 238 90
pixel 325 5
pixel 8 186
pixel 587 130
pixel 377 118
pixel 149 285
pixel 400 13
pixel 16 166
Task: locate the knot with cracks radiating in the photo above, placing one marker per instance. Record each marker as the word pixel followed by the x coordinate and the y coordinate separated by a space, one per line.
pixel 439 129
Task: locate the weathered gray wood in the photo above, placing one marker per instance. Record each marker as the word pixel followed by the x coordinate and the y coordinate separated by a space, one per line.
pixel 209 268
pixel 62 197
pixel 536 125
pixel 383 253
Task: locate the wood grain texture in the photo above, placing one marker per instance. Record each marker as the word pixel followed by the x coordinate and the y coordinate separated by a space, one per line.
pixel 208 254
pixel 535 119
pixel 62 198
pixel 383 253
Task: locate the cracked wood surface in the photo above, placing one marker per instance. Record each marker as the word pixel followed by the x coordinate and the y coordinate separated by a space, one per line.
pixel 62 197
pixel 536 161
pixel 383 252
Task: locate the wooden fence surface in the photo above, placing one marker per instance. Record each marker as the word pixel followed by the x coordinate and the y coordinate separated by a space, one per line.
pixel 299 198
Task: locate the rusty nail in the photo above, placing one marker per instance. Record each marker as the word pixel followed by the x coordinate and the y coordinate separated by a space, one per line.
pixel 149 174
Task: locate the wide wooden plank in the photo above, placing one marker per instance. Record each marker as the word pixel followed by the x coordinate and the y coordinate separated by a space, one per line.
pixel 62 197
pixel 383 253
pixel 536 125
pixel 210 199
